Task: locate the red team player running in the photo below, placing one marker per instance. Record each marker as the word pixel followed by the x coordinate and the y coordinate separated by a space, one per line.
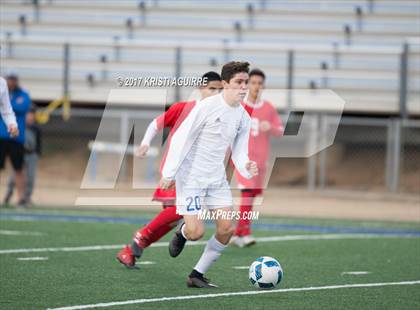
pixel 265 122
pixel 167 218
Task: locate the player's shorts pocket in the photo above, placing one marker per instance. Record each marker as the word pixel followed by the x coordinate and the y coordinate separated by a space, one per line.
pixel 219 195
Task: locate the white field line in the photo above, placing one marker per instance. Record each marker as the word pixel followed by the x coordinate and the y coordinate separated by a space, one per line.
pixel 355 273
pixel 240 267
pixel 146 262
pixel 32 258
pixel 19 233
pixel 189 297
pixel 165 244
pixel 63 249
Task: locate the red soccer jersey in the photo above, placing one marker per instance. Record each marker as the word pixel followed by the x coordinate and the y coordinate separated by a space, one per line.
pixel 259 140
pixel 172 119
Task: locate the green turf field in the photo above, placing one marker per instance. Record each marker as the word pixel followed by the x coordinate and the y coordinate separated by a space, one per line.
pixel 66 275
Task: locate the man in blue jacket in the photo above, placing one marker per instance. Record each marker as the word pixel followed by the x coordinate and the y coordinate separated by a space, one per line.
pixel 13 147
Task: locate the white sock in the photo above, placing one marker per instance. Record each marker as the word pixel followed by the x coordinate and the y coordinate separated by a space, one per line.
pixel 211 253
pixel 183 231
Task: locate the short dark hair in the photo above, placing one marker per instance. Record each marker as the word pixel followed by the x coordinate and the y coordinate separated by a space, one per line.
pixel 210 76
pixel 233 67
pixel 12 76
pixel 257 72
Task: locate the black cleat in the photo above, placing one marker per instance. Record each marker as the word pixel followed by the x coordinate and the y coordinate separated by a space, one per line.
pixel 200 282
pixel 177 243
pixel 6 200
pixel 22 204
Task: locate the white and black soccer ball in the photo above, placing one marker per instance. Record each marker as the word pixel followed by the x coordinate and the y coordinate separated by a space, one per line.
pixel 265 272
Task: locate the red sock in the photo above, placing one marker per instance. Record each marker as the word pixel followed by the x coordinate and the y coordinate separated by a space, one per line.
pixel 159 233
pixel 243 227
pixel 157 227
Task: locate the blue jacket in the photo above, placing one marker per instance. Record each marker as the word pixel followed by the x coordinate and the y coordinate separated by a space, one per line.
pixel 21 103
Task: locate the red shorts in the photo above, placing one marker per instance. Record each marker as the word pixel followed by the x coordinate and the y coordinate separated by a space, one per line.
pixel 254 185
pixel 164 195
pixel 254 191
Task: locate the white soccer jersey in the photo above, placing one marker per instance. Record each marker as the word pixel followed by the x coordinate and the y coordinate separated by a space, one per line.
pixel 6 110
pixel 199 146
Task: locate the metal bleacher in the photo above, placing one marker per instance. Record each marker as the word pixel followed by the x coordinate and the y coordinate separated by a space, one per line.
pixel 129 38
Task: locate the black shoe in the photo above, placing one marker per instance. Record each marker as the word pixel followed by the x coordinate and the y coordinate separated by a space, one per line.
pixel 29 203
pixel 6 200
pixel 177 243
pixel 22 204
pixel 200 282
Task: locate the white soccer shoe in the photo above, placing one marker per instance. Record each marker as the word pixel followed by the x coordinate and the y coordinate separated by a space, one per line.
pixel 237 241
pixel 248 240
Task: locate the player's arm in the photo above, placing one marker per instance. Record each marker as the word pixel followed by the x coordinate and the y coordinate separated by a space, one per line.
pixel 181 143
pixel 277 128
pixel 150 133
pixel 240 158
pixel 6 111
pixel 166 119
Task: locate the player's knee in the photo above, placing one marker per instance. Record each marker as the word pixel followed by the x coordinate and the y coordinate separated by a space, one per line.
pixel 195 233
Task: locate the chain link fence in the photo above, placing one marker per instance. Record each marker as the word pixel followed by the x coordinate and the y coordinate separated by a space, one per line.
pixel 410 157
pixel 357 159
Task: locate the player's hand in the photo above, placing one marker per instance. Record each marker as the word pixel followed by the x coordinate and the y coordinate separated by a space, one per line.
pixel 265 126
pixel 252 168
pixel 166 183
pixel 141 151
pixel 13 130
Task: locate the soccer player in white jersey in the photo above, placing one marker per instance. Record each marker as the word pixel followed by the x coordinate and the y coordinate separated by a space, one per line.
pixel 6 111
pixel 8 123
pixel 195 163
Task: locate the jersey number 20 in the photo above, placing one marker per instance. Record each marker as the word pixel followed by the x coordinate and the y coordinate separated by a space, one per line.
pixel 196 206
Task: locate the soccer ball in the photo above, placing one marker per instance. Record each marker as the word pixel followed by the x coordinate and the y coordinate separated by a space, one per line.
pixel 265 272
